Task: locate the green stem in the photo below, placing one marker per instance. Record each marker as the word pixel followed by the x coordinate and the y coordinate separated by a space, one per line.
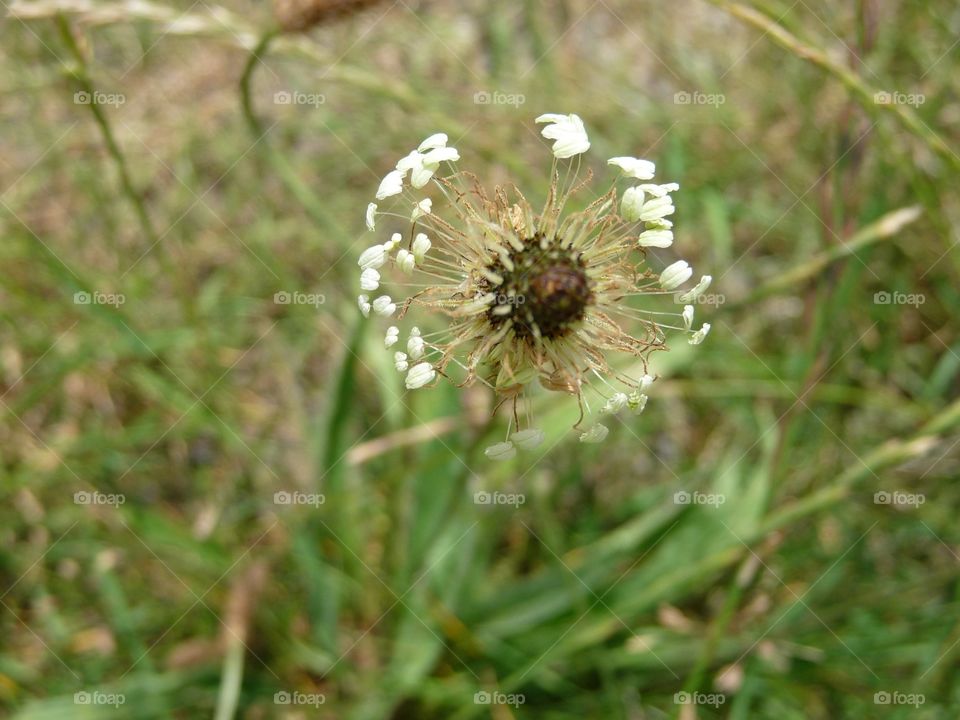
pixel 697 674
pixel 80 76
pixel 889 454
pixel 853 82
pixel 286 172
pixel 230 29
pixel 887 226
pixel 230 681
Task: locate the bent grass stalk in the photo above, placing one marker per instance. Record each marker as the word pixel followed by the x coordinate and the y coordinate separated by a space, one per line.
pixel 277 160
pixel 884 228
pixel 224 26
pixel 81 77
pixel 906 116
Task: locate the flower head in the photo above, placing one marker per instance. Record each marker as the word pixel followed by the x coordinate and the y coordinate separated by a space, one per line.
pixel 369 280
pixel 526 300
pixel 675 275
pixel 569 133
pixel 392 184
pixel 634 167
pixel 501 451
pixel 392 336
pixel 528 439
pixel 423 162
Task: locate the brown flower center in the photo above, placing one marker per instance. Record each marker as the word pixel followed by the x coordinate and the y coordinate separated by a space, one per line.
pixel 546 292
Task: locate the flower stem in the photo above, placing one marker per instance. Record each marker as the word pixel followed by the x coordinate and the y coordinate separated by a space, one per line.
pixel 78 72
pixel 81 77
pixel 286 172
pixel 853 82
pixel 887 226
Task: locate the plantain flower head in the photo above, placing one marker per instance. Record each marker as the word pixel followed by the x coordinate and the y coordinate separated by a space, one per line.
pixel 527 300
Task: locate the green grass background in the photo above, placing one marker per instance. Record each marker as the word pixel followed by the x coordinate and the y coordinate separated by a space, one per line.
pixel 199 397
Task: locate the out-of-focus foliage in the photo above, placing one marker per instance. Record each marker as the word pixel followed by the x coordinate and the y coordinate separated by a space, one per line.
pixel 775 536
